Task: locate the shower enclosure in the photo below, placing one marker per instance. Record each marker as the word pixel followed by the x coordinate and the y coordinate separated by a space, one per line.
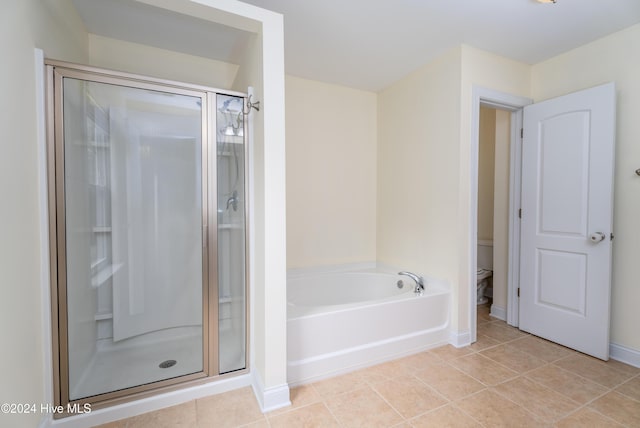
pixel 148 236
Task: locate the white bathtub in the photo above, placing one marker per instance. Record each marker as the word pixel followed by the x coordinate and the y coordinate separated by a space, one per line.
pixel 338 322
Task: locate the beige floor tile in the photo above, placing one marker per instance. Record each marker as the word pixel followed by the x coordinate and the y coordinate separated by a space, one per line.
pixel 263 423
pixel 593 369
pixel 449 381
pixel 493 410
pixel 540 348
pixel 300 396
pixel 483 321
pixel 483 342
pixel 420 361
pixel 548 405
pixel 619 407
pixel 483 369
pixel 303 395
pixel 631 388
pixel 449 352
pixel 231 409
pixel 418 387
pixel 500 331
pixel 313 415
pixel 388 370
pixel 116 424
pixel 444 417
pixel 623 367
pixel 340 384
pixel 484 314
pixel 182 415
pixel 409 396
pixel 370 376
pixel 514 359
pixel 573 386
pixel 587 418
pixel 362 408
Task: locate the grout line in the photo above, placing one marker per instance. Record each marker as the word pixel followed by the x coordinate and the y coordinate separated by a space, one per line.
pixel 408 420
pixel 455 405
pixel 491 388
pixel 604 415
pixel 388 404
pixel 591 380
pixel 586 407
pixel 335 418
pixel 527 410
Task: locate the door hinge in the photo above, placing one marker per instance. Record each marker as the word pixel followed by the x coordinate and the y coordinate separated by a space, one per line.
pixel 521 132
pixel 518 291
pixel 520 213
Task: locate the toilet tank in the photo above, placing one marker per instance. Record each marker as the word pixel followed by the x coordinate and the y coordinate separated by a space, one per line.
pixel 485 254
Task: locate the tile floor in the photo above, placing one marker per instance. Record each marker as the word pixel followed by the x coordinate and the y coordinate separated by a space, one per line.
pixel 506 379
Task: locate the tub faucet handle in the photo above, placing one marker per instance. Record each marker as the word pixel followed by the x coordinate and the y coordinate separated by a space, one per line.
pixel 418 280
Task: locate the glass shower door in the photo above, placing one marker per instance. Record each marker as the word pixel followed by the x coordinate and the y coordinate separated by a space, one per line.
pixel 134 273
pixel 230 136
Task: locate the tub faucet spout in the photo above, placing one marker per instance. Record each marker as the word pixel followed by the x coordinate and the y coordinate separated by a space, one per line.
pixel 418 280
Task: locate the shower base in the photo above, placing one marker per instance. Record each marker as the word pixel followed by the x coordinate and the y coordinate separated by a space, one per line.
pixel 137 361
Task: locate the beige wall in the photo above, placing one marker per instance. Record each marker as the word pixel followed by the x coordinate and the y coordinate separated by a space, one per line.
pixel 490 71
pixel 149 61
pixel 263 69
pixel 418 163
pixel 25 24
pixel 55 26
pixel 613 58
pixel 331 174
pixel 486 167
pixel 501 208
pixel 423 142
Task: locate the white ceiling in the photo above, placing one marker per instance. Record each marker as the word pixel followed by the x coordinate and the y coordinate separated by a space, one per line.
pixel 369 44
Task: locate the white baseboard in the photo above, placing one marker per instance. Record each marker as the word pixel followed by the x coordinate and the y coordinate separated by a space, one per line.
pixel 270 398
pixel 624 354
pixel 149 404
pixel 460 339
pixel 499 312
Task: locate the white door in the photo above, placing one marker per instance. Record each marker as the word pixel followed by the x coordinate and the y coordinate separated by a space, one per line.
pixel 566 227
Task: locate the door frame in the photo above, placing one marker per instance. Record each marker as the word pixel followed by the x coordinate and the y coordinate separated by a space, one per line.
pixel 49 127
pixel 515 105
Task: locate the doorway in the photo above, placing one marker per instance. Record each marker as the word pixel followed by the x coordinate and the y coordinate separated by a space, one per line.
pixel 493 209
pixel 560 216
pixel 510 106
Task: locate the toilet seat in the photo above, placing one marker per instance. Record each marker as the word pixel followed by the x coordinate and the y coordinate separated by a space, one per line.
pixel 483 274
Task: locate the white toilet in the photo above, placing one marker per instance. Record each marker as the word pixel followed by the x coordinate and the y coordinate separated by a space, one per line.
pixel 485 269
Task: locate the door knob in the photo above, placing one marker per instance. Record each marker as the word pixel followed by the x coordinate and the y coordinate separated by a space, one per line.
pixel 597 237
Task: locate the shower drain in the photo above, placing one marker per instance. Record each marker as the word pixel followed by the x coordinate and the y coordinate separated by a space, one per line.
pixel 167 364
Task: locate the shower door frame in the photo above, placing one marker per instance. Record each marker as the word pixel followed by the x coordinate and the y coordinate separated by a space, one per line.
pixel 56 71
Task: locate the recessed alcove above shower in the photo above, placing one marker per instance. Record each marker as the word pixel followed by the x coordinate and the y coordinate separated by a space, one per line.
pixel 169 59
pixel 137 37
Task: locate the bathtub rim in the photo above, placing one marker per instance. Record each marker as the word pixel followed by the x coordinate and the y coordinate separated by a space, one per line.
pixel 434 286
